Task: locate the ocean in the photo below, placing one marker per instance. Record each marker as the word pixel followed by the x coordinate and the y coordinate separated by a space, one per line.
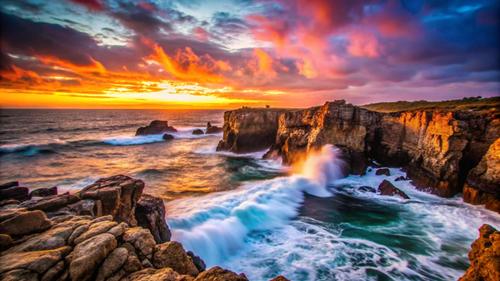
pixel 242 212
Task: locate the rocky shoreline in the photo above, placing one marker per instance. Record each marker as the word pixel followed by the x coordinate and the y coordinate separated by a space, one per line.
pixel 109 230
pixel 444 152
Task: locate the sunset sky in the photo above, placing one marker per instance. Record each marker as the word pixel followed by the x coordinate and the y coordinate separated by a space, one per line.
pixel 228 53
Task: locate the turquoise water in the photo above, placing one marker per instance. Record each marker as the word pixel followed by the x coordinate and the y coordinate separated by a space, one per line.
pixel 244 213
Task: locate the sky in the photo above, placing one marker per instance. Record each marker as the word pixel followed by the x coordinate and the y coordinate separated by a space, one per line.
pixel 231 53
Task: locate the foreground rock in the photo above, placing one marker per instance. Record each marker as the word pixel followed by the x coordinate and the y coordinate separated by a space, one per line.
pixel 438 147
pixel 484 256
pixel 154 128
pixel 69 246
pixel 388 189
pixel 249 130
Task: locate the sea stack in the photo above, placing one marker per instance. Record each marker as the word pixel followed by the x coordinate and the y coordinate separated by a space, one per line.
pixel 155 127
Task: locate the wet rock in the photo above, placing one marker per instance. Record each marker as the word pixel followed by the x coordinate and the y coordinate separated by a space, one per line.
pixel 19 274
pixel 172 254
pixel 43 192
pixel 87 255
pixel 219 274
pixel 112 263
pixel 9 184
pixel 198 132
pixel 167 137
pixel 51 203
pixel 249 130
pixel 388 189
pixel 25 223
pixel 484 256
pixel 483 182
pixel 213 129
pixel 198 262
pixel 150 214
pixel 154 128
pixel 141 239
pixel 365 188
pixel 401 178
pixel 15 192
pixel 37 261
pixel 5 241
pixel 86 207
pixel 383 171
pixel 118 194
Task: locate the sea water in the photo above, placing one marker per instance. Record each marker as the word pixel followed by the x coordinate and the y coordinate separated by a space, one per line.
pixel 244 213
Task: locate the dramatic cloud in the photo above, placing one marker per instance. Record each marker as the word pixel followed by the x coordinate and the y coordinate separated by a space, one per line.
pixel 285 52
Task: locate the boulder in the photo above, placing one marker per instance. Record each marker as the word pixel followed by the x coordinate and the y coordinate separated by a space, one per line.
pixel 9 184
pixel 401 178
pixel 53 238
pixel 43 192
pixel 383 171
pixel 36 261
pixel 15 192
pixel 25 223
pixel 213 129
pixel 86 256
pixel 5 241
pixel 172 254
pixel 154 128
pixel 118 195
pixel 141 239
pixel 484 256
pixel 51 203
pixel 168 137
pixel 94 230
pixel 219 274
pixel 388 189
pixel 198 132
pixel 151 274
pixel 150 214
pixel 112 263
pixel 366 188
pixel 198 262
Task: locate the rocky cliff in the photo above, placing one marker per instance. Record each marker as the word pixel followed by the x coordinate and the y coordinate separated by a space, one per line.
pixel 484 256
pixel 93 235
pixel 248 130
pixel 437 147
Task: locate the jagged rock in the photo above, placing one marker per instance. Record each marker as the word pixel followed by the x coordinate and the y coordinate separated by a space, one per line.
pixel 198 132
pixel 219 274
pixel 43 192
pixel 150 274
pixel 388 189
pixel 51 203
pixel 112 263
pixel 279 278
pixel 483 182
pixel 15 192
pixel 37 261
pixel 25 223
pixel 401 178
pixel 9 184
pixel 141 239
pixel 53 238
pixel 168 137
pixel 198 262
pixel 383 171
pixel 95 229
pixel 154 128
pixel 118 194
pixel 150 214
pixel 365 188
pixel 87 255
pixel 484 256
pixel 249 130
pixel 172 254
pixel 86 207
pixel 212 129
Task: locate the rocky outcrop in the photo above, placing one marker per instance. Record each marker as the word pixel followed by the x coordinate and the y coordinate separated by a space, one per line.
pixel 213 129
pixel 484 256
pixel 438 147
pixel 249 130
pixel 68 246
pixel 198 132
pixel 482 185
pixel 388 189
pixel 167 137
pixel 154 128
pixel 12 190
pixel 43 192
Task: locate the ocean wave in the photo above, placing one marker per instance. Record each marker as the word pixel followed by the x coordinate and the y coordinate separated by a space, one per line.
pixel 218 230
pixel 30 149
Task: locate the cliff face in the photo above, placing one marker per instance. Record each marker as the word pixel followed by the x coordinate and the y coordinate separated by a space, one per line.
pixel 438 147
pixel 249 130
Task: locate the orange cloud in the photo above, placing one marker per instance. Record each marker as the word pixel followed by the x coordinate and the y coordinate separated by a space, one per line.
pixel 363 44
pixel 264 64
pixel 94 68
pixel 18 73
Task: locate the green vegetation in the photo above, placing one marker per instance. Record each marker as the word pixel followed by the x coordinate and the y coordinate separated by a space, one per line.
pixel 472 103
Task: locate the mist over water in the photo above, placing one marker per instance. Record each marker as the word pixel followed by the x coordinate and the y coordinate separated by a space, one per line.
pixel 242 212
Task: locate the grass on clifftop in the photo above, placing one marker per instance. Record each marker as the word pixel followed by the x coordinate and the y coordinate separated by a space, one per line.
pixel 474 103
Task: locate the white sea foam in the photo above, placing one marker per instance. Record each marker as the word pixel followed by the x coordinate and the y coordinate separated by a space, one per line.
pixel 219 228
pixel 182 133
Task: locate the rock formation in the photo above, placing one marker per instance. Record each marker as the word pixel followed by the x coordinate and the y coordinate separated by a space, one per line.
pixel 154 128
pixel 388 189
pixel 167 137
pixel 49 239
pixel 213 129
pixel 437 147
pixel 249 130
pixel 198 132
pixel 484 256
